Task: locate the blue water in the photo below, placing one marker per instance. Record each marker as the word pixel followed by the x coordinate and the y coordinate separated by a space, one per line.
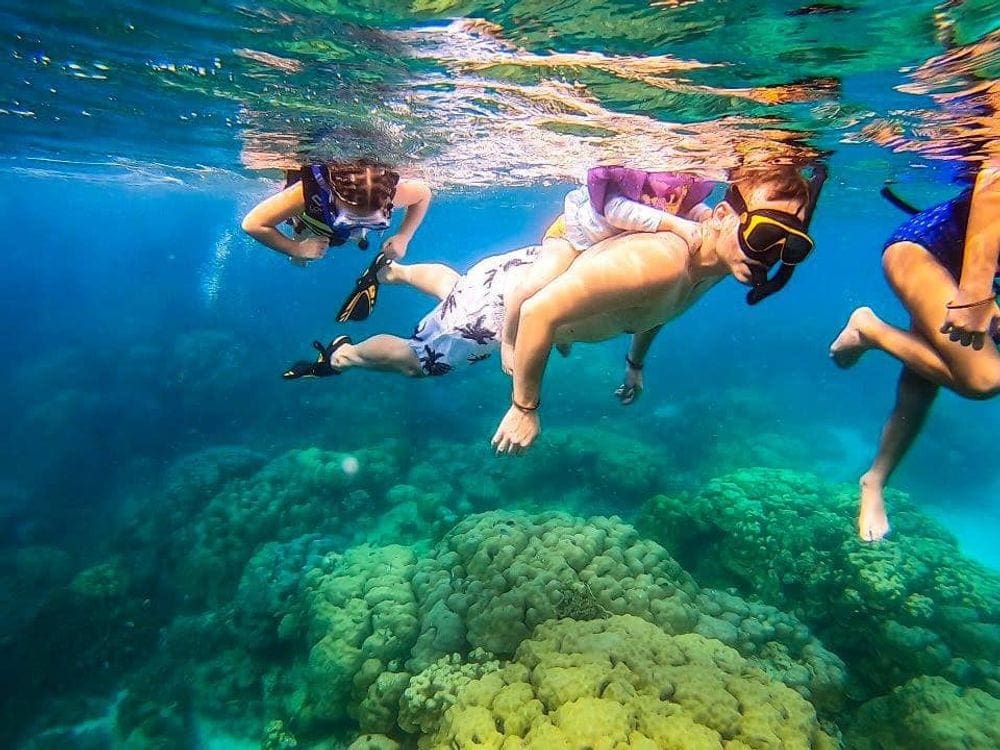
pixel 179 525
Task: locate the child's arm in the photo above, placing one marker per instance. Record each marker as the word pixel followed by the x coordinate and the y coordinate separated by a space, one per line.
pixel 415 196
pixel 555 257
pixel 630 216
pixel 263 220
pixel 972 315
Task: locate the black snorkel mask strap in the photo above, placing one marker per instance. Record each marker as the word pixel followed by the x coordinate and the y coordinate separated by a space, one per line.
pixel 763 286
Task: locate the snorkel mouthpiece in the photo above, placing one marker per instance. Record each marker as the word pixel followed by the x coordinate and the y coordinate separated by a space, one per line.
pixel 763 286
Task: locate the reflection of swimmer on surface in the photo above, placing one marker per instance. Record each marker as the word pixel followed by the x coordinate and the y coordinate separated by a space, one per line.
pixel 331 204
pixel 614 200
pixel 625 284
pixel 943 265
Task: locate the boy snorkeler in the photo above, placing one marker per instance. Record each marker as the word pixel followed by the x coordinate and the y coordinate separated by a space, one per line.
pixel 615 200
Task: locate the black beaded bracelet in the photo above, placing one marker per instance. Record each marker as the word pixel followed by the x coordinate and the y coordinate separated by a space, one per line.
pixel 526 409
pixel 952 306
pixel 633 365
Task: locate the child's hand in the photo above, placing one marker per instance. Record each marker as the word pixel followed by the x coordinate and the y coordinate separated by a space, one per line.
pixel 395 246
pixel 672 205
pixel 311 248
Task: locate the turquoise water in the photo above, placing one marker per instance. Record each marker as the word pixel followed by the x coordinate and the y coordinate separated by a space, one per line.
pixel 197 554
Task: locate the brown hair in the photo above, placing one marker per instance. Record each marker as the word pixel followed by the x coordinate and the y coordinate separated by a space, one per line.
pixel 779 182
pixel 364 184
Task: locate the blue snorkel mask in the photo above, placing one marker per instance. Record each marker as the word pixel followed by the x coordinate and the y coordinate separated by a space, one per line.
pixel 377 220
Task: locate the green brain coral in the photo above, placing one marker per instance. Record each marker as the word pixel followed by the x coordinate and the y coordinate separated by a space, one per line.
pixel 928 713
pixel 621 682
pixel 386 629
pixel 910 605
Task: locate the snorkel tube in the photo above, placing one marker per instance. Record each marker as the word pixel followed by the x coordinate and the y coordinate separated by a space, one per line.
pixel 763 286
pixel 889 194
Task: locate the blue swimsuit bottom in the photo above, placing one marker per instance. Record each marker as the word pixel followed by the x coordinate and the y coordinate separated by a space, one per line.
pixel 941 231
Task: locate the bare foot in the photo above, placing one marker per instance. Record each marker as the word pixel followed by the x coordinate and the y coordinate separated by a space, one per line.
pixel 848 347
pixel 873 523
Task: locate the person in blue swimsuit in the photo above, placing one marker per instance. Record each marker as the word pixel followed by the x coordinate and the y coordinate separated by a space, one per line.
pixel 943 265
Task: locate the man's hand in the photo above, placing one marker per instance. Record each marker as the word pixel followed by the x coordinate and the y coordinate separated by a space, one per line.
pixel 507 357
pixel 395 246
pixel 631 388
pixel 970 326
pixel 311 248
pixel 517 431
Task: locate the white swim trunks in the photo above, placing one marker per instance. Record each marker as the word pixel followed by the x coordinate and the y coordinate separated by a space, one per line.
pixel 465 326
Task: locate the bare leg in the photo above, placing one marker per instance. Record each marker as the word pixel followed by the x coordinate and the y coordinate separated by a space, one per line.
pixel 924 286
pixel 865 330
pixel 914 397
pixel 382 352
pixel 434 279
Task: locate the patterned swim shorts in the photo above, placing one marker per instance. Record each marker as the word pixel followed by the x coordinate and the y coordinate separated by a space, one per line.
pixel 465 326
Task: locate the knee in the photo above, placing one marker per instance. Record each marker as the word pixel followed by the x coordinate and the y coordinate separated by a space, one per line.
pixel 896 261
pixel 979 386
pixel 413 370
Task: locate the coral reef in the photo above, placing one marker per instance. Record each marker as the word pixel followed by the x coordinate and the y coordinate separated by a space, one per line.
pixel 374 617
pixel 321 594
pixel 928 713
pixel 911 605
pixel 623 682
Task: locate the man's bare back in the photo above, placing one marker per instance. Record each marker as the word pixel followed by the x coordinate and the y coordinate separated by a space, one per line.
pixel 661 285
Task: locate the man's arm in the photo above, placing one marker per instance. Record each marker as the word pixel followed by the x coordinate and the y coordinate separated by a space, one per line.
pixel 972 312
pixel 555 257
pixel 640 346
pixel 631 387
pixel 629 272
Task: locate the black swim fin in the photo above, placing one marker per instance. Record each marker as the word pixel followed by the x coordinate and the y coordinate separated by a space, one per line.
pixel 361 302
pixel 321 367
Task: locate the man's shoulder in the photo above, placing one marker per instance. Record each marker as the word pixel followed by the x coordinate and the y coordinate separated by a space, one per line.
pixel 648 242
